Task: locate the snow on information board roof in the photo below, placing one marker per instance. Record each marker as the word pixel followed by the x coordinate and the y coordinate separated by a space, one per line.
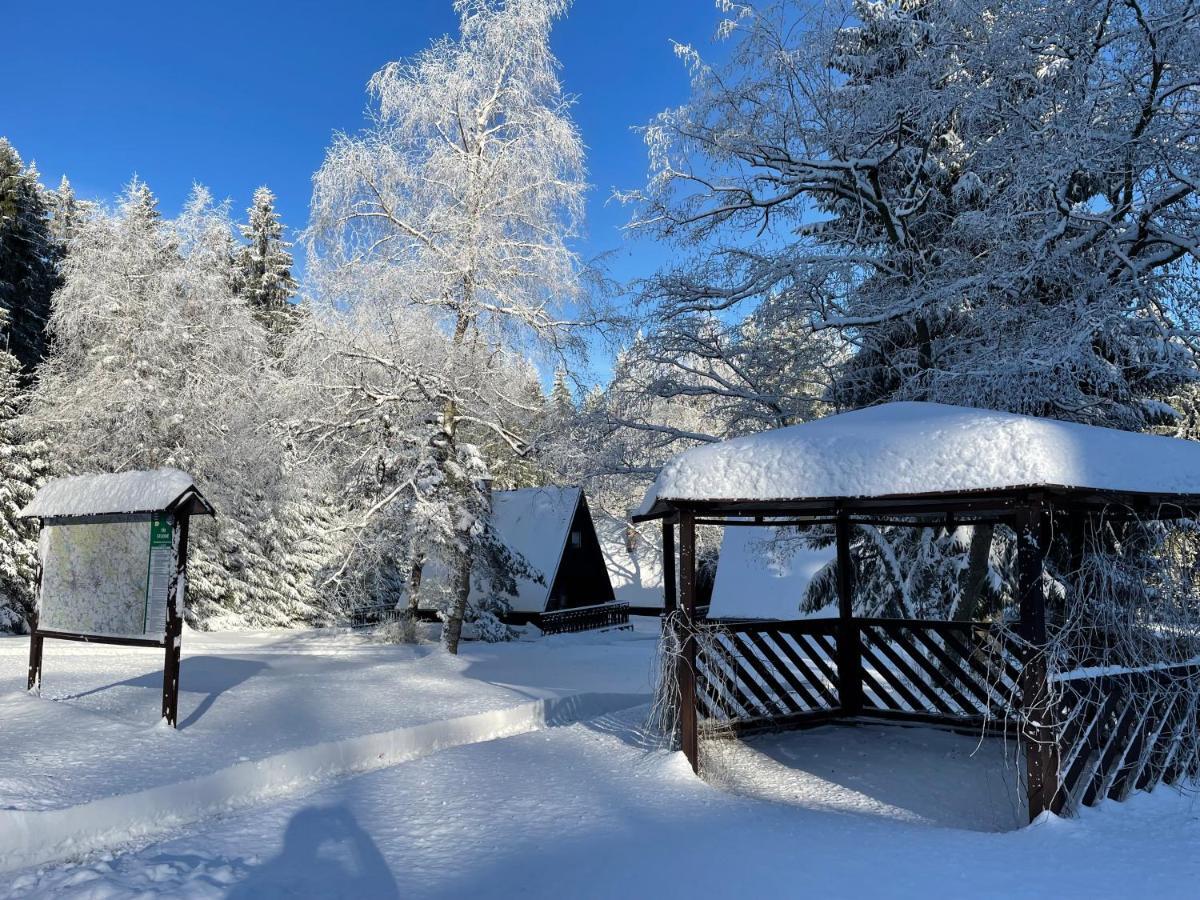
pixel 127 492
pixel 760 576
pixel 926 448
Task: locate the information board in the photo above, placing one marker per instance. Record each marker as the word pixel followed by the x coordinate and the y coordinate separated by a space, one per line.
pixel 106 579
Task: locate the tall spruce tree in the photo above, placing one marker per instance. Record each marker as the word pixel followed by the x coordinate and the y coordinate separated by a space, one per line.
pixel 28 255
pixel 264 266
pixel 22 468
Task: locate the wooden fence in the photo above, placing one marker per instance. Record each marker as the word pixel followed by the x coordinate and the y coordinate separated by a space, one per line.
pixel 1121 731
pixel 584 618
pixel 1090 735
pixel 767 674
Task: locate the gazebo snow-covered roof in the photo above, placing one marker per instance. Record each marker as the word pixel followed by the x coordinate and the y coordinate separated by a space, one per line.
pixel 920 452
pixel 126 493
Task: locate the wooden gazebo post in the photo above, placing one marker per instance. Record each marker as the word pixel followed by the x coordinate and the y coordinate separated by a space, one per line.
pixel 849 649
pixel 686 672
pixel 1041 748
pixel 670 599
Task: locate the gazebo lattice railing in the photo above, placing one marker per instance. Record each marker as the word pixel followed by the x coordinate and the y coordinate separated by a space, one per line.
pixel 1086 734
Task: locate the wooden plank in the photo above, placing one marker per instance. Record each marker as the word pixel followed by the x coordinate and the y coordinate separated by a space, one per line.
pixel 919 682
pixel 895 681
pixel 785 723
pixel 783 669
pixel 670 597
pixel 726 668
pixel 935 677
pixel 689 734
pixel 967 681
pixel 766 673
pixel 818 654
pixel 35 660
pixel 1147 776
pixel 769 704
pixel 174 628
pixel 815 678
pixel 1114 745
pixel 115 641
pixel 978 664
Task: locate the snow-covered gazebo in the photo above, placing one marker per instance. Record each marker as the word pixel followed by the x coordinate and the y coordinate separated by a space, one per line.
pixel 922 465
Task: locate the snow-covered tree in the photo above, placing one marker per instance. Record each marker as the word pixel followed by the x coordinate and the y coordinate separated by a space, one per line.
pixel 66 211
pixel 264 265
pixel 884 176
pixel 28 255
pixel 22 468
pixel 992 204
pixel 156 362
pixel 455 206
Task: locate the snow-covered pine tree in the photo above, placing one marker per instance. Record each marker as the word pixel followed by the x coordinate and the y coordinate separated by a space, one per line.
pixel 66 211
pixel 459 200
pixel 264 265
pixel 23 466
pixel 157 362
pixel 28 255
pixel 561 398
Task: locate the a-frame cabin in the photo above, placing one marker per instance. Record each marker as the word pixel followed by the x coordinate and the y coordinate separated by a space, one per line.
pixel 552 529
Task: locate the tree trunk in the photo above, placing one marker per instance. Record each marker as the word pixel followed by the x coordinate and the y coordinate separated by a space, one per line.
pixel 460 589
pixel 971 606
pixel 414 585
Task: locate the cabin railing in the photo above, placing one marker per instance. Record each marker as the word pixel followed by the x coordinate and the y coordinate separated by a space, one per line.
pixel 584 618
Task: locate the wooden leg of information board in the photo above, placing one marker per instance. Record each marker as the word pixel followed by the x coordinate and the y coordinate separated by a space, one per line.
pixel 35 660
pixel 174 634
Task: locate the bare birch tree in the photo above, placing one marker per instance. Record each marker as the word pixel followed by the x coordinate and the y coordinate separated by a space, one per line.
pixel 459 201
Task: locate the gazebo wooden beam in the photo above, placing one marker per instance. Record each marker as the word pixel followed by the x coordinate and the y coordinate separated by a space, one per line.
pixel 1041 747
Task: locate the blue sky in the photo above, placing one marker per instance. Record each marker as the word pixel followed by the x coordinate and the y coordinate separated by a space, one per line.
pixel 234 95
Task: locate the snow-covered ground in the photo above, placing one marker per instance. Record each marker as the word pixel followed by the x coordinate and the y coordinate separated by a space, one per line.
pixel 584 809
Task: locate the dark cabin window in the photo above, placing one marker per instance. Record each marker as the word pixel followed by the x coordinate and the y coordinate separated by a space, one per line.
pixel 576 539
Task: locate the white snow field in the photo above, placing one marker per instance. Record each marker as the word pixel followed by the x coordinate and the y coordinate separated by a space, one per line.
pixel 418 775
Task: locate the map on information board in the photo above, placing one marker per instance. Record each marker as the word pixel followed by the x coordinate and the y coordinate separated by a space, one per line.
pixel 106 578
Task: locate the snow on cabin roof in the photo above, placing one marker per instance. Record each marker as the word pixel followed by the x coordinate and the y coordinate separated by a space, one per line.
pixel 534 522
pixel 126 492
pixel 636 573
pixel 926 448
pixel 764 573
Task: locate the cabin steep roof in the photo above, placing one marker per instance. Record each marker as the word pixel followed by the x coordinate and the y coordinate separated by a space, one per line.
pixel 157 490
pixel 535 523
pixel 925 449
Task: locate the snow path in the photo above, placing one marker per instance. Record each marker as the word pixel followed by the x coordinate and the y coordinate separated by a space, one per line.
pixel 94 732
pixel 590 811
pixel 39 836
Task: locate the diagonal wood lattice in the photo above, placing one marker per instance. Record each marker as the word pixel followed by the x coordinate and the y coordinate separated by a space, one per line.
pixel 1118 733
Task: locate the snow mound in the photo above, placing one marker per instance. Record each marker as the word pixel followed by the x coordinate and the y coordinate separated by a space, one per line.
pixel 926 448
pixel 126 492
